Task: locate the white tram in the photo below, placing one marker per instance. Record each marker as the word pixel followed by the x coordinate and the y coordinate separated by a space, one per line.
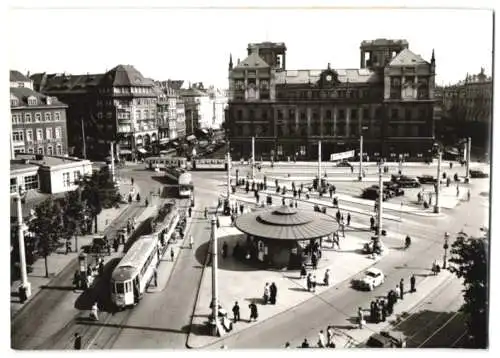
pixel 135 270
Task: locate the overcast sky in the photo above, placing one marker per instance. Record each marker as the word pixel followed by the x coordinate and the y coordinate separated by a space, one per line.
pixel 194 45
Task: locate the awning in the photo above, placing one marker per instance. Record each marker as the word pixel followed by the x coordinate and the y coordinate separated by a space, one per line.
pixel 125 151
pixel 164 140
pixel 190 138
pixel 142 150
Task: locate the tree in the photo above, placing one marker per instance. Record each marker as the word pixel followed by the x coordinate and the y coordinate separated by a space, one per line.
pixel 75 210
pixel 99 191
pixel 47 226
pixel 469 256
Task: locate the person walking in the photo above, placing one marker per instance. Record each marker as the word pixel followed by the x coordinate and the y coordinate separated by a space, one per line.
pixel 68 246
pixel 309 281
pixel 155 276
pixel 413 281
pixel 321 339
pixel 361 319
pixel 313 283
pixel 172 254
pixel 303 272
pixel 273 291
pixel 401 289
pixel 266 293
pixel 314 261
pixel 326 278
pixel 190 211
pixel 372 311
pixel 94 312
pixel 77 344
pixel 254 314
pixel 287 345
pixel 372 223
pixel 468 195
pixel 236 312
pixel 305 344
pixel 338 215
pixel 384 309
pixel 329 337
pixel 348 219
pixel 191 241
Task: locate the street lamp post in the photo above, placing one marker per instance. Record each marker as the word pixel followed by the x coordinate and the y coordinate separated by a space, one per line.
pixel 215 300
pixel 360 176
pixel 467 161
pixel 253 158
pixel 445 247
pixel 438 184
pixel 25 284
pixel 380 201
pixel 319 166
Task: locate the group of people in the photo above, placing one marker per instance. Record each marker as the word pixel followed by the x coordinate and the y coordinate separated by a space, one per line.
pixel 381 308
pixel 270 293
pixel 323 342
pixel 311 281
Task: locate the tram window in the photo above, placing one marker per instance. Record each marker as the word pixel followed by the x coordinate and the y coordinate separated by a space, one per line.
pixel 119 287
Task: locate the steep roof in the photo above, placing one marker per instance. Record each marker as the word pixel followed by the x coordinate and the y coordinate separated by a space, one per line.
pixel 16 76
pixel 22 94
pixel 407 58
pixel 125 75
pixel 65 83
pixel 344 75
pixel 253 61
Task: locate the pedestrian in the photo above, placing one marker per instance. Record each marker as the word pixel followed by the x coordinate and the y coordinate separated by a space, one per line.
pixel 295 204
pixel 372 311
pixel 396 294
pixel 190 211
pixel 273 290
pixel 338 216
pixel 191 241
pixel 100 269
pixel 77 344
pixel 116 244
pixel 236 312
pixel 266 293
pixel 348 219
pixel 241 208
pixel 287 345
pixel 329 337
pixel 321 339
pixel 303 272
pixel 305 344
pixel 224 250
pixel 384 310
pixel 132 181
pixel 361 319
pixel 130 198
pixel 326 278
pixel 401 288
pixel 413 280
pixel 313 283
pixel 68 246
pixel 206 213
pixel 146 202
pixel 155 276
pixel 309 281
pixel 468 195
pixel 458 191
pixel 217 222
pixel 138 197
pixel 94 312
pixel 172 254
pixel 372 223
pixel 314 261
pixel 254 314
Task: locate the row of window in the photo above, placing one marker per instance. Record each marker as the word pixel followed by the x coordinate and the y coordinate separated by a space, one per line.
pixel 30 182
pixel 18 118
pixel 67 182
pixel 290 114
pixel 41 150
pixel 125 90
pixel 18 134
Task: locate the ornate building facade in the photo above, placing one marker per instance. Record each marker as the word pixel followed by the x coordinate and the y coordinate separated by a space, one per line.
pixel 118 106
pixel 389 101
pixel 38 122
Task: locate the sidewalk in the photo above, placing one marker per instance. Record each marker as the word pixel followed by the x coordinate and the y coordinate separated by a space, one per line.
pixel 343 264
pixel 347 338
pixel 59 260
pixel 314 163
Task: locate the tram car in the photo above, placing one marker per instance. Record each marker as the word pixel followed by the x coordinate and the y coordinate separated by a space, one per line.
pixel 135 270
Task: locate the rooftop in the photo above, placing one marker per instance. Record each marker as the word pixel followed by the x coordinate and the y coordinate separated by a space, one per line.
pixel 16 76
pixel 384 42
pixel 312 76
pixel 48 161
pixel 125 75
pixel 252 61
pixel 407 58
pixel 22 94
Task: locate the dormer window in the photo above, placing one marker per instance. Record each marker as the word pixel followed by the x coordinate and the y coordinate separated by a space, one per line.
pixel 49 100
pixel 32 101
pixel 14 102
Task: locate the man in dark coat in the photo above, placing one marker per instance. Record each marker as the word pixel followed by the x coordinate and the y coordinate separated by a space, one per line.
pixel 383 305
pixel 348 219
pixel 236 312
pixel 314 261
pixel 372 311
pixel 273 293
pixel 412 283
pixel 303 272
pixel 372 223
pixel 254 314
pixel 401 288
pixel 77 345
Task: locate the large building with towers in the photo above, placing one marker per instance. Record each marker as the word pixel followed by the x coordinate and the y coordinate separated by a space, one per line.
pixel 389 100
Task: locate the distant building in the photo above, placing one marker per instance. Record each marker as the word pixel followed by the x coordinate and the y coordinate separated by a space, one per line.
pixel 389 100
pixel 171 124
pixel 47 174
pixel 117 106
pixel 218 101
pixel 38 122
pixel 197 108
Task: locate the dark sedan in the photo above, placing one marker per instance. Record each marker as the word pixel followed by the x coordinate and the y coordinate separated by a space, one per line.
pixel 427 179
pixel 478 174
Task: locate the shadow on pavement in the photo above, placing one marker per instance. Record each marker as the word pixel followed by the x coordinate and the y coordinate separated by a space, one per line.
pixel 100 291
pixel 60 288
pixel 198 329
pixel 90 322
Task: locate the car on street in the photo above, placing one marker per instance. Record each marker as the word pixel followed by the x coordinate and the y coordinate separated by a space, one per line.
pixel 474 173
pixel 373 277
pixel 372 194
pixel 387 191
pixel 427 179
pixel 344 163
pixel 395 188
pixel 405 181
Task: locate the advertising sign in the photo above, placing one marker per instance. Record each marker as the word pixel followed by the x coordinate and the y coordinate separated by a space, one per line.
pixel 342 155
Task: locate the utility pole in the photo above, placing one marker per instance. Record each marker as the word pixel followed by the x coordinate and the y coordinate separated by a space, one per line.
pixel 25 284
pixel 380 201
pixel 445 247
pixel 438 184
pixel 360 176
pixel 467 163
pixel 84 145
pixel 253 158
pixel 215 300
pixel 319 166
pixel 112 151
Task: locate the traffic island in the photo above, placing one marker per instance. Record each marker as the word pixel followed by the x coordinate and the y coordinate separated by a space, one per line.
pixel 244 282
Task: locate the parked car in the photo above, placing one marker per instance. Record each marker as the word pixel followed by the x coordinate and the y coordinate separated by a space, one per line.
pixel 474 173
pixel 385 340
pixel 373 278
pixel 405 181
pixel 387 191
pixel 343 163
pixel 394 187
pixel 427 179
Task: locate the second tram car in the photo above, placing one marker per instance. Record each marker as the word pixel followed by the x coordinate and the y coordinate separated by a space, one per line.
pixel 209 164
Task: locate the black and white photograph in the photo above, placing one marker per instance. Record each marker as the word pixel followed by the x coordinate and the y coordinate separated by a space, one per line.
pixel 206 176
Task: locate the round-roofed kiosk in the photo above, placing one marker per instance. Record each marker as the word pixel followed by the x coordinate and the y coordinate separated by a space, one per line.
pixel 284 236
